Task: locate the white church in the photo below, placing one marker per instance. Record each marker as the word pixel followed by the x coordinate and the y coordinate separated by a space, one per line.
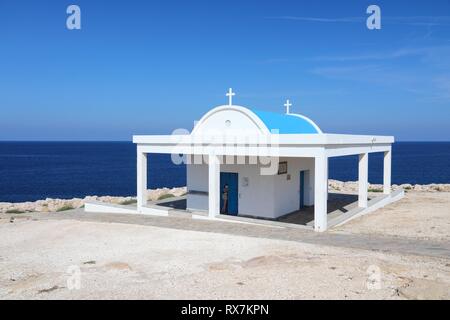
pixel 244 162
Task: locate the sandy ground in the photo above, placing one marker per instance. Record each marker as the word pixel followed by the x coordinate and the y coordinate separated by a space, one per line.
pixel 145 262
pixel 421 215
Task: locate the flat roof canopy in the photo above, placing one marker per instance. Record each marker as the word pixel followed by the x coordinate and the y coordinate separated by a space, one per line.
pixel 283 139
pixel 283 145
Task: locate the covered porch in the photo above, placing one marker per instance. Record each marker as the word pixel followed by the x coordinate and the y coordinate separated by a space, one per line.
pixel 318 147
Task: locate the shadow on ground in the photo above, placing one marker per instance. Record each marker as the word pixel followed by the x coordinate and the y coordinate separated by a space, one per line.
pixel 338 203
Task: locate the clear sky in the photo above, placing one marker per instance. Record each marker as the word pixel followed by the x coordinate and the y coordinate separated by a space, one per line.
pixel 148 67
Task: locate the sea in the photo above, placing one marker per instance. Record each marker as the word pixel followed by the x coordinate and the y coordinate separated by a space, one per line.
pixel 31 171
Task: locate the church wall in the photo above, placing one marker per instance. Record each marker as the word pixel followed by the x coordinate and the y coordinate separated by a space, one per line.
pixel 268 196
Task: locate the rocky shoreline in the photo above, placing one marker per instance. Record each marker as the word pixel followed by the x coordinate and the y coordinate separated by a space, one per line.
pixel 352 186
pixel 55 205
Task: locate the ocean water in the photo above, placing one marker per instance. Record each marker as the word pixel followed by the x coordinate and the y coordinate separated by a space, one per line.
pixel 31 171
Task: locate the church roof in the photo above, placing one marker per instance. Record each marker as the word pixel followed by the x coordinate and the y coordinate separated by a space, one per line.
pixel 232 119
pixel 287 123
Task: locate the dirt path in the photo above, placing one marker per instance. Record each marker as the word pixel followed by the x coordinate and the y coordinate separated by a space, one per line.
pixel 339 238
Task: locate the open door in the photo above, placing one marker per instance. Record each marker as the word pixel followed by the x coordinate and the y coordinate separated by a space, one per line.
pixel 302 189
pixel 231 205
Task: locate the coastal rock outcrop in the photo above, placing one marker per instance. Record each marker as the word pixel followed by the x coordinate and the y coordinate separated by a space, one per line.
pixel 55 205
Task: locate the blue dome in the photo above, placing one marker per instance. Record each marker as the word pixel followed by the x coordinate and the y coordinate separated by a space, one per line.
pixel 287 123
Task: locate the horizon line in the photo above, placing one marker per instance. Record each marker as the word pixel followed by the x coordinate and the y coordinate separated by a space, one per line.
pixel 132 141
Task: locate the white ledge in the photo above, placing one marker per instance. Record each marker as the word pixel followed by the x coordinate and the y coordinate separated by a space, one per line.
pixel 280 139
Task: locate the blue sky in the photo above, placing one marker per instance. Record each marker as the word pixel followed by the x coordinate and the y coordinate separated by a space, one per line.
pixel 148 67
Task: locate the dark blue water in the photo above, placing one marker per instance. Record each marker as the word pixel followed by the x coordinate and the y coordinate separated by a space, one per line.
pixel 31 171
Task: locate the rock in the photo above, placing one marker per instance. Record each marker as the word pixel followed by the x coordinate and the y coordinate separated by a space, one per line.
pixel 52 205
pixel 154 194
pixel 406 186
pixel 375 187
pixel 335 184
pixel 350 186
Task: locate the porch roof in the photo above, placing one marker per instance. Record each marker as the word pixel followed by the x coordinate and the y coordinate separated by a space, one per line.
pixel 324 139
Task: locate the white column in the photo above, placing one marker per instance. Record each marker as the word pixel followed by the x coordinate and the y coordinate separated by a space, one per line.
pixel 141 179
pixel 214 185
pixel 363 179
pixel 320 192
pixel 387 171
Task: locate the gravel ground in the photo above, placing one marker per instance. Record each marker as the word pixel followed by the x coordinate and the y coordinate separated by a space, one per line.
pixel 125 261
pixel 137 257
pixel 420 215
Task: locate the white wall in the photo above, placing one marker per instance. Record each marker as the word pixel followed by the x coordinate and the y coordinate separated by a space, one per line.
pixel 257 197
pixel 287 192
pixel 197 180
pixel 230 120
pixel 268 196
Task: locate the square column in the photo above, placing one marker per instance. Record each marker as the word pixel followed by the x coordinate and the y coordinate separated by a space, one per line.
pixel 320 193
pixel 213 185
pixel 387 169
pixel 141 179
pixel 363 177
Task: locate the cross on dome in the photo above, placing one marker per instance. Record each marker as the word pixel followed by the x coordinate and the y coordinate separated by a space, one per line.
pixel 230 95
pixel 287 105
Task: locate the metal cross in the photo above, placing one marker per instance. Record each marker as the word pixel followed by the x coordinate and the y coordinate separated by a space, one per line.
pixel 287 105
pixel 230 95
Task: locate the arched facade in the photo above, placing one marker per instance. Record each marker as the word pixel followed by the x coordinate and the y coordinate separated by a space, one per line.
pixel 241 120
